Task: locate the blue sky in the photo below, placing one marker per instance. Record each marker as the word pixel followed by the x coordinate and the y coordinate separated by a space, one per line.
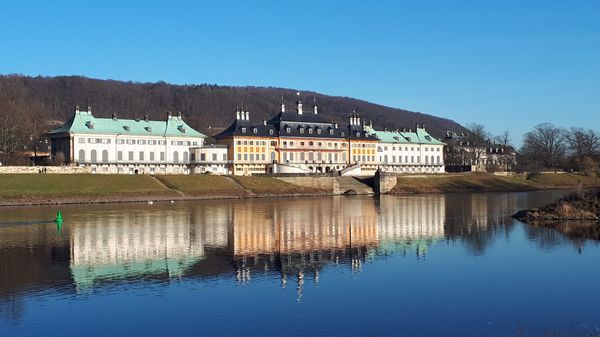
pixel 506 64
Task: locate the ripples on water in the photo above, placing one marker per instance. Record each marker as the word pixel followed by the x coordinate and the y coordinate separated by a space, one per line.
pixel 429 265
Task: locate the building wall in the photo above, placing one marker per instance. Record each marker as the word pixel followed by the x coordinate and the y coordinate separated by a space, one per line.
pixel 419 158
pixel 91 148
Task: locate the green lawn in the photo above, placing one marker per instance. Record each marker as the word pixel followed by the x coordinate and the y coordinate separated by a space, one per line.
pixel 48 185
pixel 268 185
pixel 472 182
pixel 202 184
pixel 563 179
pixel 485 182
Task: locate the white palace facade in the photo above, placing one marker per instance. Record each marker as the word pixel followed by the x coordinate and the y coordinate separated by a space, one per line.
pixel 134 146
pixel 291 142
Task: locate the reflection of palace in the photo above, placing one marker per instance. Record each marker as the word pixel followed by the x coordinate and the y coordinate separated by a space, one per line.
pixel 291 237
pixel 142 243
pixel 410 223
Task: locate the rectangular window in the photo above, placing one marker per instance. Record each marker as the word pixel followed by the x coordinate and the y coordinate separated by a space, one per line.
pixel 162 156
pixel 224 156
pixel 245 156
pixel 141 155
pixel 214 157
pixel 91 140
pixel 151 156
pixel 81 140
pixel 120 141
pixel 130 155
pixel 239 156
pixel 202 157
pixel 120 155
pixel 162 142
pixel 251 156
pixel 263 156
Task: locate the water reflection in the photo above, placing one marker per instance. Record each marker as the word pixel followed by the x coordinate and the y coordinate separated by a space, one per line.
pixel 290 239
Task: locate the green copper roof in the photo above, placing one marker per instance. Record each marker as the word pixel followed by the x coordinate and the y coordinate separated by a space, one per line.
pixel 420 136
pixel 85 122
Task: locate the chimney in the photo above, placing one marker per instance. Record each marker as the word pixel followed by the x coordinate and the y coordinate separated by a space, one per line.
pixel 264 122
pixel 315 105
pixel 237 113
pixel 179 114
pixel 299 104
pixel 77 109
pixel 89 109
pixel 146 117
pixel 247 115
pixel 282 105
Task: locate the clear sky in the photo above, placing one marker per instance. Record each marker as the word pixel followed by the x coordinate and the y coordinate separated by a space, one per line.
pixel 506 64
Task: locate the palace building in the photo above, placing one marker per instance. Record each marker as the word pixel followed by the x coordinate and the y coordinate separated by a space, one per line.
pixel 114 145
pixel 297 142
pixel 408 151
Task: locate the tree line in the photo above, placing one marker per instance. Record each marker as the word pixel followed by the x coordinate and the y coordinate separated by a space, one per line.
pixel 30 106
pixel 549 147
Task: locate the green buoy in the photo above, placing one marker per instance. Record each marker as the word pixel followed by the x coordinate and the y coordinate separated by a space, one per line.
pixel 58 217
pixel 59 221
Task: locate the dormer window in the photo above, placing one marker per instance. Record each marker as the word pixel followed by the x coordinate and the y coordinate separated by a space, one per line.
pixel 181 129
pixel 243 130
pixel 319 131
pixel 271 131
pixel 331 132
pixel 148 128
pixel 89 124
pixel 357 134
pixel 302 130
pixel 342 134
pixel 288 129
pixel 127 128
pixel 428 138
pixel 255 130
pixel 310 131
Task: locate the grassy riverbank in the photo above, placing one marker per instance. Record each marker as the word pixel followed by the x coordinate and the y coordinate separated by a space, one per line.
pixel 32 189
pixel 485 182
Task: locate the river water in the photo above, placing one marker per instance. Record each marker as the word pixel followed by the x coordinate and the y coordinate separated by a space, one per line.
pixel 426 265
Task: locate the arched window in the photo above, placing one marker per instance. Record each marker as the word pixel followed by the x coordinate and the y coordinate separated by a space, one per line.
pixel 385 158
pixel 93 158
pixel 175 157
pixel 438 160
pixel 105 156
pixel 185 156
pixel 426 159
pixel 81 156
pixel 432 160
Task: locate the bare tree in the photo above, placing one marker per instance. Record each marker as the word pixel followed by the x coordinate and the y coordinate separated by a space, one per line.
pixel 503 138
pixel 545 145
pixel 477 141
pixel 583 143
pixel 9 133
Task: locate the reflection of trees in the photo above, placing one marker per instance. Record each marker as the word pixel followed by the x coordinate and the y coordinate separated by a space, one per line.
pixel 32 258
pixel 478 219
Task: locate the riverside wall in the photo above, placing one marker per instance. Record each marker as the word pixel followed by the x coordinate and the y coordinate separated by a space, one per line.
pixel 45 169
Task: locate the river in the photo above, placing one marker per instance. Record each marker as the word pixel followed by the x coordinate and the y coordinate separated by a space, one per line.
pixel 424 265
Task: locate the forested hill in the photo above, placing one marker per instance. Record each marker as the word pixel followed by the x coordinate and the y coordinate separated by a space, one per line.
pixel 45 101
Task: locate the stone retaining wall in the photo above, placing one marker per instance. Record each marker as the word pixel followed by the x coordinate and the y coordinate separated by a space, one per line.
pixel 48 169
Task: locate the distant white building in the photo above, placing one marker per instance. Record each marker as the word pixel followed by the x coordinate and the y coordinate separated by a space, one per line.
pixel 408 151
pixel 209 159
pixel 113 145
